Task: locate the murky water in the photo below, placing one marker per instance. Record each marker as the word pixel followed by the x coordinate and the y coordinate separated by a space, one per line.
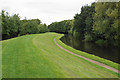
pixel 110 53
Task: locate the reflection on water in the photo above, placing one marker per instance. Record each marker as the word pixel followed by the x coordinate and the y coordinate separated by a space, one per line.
pixel 110 53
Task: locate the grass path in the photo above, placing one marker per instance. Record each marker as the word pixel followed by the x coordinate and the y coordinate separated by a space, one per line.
pixel 37 56
pixel 95 62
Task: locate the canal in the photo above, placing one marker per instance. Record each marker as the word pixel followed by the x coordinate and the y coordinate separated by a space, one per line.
pixel 110 52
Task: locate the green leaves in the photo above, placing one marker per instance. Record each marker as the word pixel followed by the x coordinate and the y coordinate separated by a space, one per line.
pixel 61 27
pixel 98 22
pixel 12 26
pixel 106 21
pixel 83 22
pixel 42 28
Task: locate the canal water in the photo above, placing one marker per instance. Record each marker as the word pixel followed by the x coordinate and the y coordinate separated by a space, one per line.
pixel 110 53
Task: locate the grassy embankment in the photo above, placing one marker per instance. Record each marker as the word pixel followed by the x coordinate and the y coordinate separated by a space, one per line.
pixel 37 56
pixel 93 57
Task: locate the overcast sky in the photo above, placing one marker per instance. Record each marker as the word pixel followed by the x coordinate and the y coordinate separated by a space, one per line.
pixel 47 11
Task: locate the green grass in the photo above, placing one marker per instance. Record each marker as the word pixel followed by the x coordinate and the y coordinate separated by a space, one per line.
pixel 37 56
pixel 93 57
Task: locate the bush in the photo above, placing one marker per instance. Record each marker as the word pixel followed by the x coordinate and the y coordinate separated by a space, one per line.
pixel 88 37
pixel 101 42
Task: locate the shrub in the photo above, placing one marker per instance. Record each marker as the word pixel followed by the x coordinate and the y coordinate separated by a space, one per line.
pixel 101 42
pixel 88 37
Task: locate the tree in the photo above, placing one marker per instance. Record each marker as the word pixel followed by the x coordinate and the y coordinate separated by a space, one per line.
pixel 42 28
pixel 12 26
pixel 106 22
pixel 83 22
pixel 5 25
pixel 60 27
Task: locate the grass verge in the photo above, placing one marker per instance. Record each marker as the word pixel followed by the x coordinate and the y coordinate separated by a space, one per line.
pixel 87 55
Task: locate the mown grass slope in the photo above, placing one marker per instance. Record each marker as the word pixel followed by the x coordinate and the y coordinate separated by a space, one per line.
pixel 37 56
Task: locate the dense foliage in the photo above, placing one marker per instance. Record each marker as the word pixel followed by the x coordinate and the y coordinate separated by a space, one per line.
pixel 12 26
pixel 61 27
pixel 106 23
pixel 83 23
pixel 98 23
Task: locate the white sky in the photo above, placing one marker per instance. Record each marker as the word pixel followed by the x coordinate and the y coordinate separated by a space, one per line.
pixel 47 11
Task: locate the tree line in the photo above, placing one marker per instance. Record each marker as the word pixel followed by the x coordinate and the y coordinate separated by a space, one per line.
pixel 12 26
pixel 96 23
pixel 61 27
